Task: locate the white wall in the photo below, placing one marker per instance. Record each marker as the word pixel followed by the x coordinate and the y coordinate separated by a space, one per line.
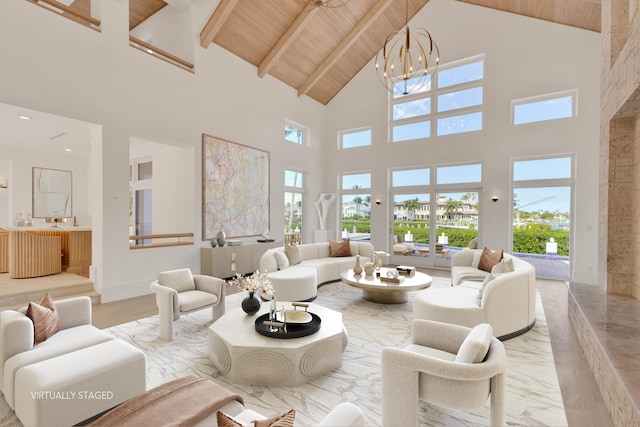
pixel 523 57
pixel 100 79
pixel 20 184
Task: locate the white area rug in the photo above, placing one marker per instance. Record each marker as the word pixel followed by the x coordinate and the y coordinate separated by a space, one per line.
pixel 533 394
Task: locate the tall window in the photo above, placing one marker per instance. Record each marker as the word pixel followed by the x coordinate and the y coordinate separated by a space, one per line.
pixel 296 133
pixel 450 103
pixel 293 206
pixel 541 219
pixel 140 198
pixel 356 206
pixel 435 212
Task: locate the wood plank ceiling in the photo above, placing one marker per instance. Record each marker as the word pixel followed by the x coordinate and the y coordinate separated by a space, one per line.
pixel 318 50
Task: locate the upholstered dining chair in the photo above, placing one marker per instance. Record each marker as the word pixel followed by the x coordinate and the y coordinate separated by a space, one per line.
pixel 180 292
pixel 447 365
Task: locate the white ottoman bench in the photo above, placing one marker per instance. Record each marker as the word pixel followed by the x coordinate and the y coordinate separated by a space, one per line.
pixel 73 387
pixel 296 283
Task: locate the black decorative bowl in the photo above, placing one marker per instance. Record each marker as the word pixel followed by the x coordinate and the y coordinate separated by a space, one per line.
pixel 294 330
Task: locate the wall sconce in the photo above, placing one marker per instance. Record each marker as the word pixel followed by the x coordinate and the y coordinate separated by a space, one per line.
pixel 378 202
pixel 494 198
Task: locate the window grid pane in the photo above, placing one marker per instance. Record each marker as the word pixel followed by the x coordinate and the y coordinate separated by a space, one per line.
pixel 356 139
pixel 356 181
pixel 418 107
pixel 460 99
pixel 292 179
pixel 549 109
pixel 461 74
pixel 459 124
pixel 293 134
pixel 412 131
pixel 459 174
pixel 410 177
pixel 528 170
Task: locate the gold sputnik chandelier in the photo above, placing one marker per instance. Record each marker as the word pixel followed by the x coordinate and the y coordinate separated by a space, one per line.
pixel 408 59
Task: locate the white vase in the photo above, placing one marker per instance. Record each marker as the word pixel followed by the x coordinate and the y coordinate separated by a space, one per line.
pixel 357 269
pixel 368 268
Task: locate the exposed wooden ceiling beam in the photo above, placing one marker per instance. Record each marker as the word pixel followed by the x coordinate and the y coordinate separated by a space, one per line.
pixel 216 21
pixel 342 48
pixel 287 38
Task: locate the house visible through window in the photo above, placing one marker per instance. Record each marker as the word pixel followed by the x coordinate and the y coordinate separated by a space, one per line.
pixel 356 206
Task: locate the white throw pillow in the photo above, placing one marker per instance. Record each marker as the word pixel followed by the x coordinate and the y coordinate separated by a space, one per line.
pixel 281 260
pixel 475 346
pixel 504 266
pixel 489 277
pixel 476 259
pixel 293 254
pixel 485 282
pixel 181 280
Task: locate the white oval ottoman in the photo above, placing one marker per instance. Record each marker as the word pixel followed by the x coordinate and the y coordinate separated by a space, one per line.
pixel 295 283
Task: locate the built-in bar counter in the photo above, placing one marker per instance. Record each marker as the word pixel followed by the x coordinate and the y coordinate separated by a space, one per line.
pixel 75 251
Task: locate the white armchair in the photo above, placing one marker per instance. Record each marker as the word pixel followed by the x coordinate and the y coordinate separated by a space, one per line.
pixel 180 292
pixel 447 365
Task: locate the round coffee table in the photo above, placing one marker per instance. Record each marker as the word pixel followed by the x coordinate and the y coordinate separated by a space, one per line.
pixel 376 290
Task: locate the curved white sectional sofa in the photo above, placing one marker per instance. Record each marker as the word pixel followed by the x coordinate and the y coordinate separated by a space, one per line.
pixel 507 302
pixel 300 282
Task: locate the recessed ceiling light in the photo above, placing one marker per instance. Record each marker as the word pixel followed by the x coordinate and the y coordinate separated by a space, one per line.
pixel 68 149
pixel 25 117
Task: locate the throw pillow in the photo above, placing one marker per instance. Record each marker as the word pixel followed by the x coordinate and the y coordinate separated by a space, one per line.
pixel 504 266
pixel 486 280
pixel 339 249
pixel 181 280
pixel 281 260
pixel 476 259
pixel 488 259
pixel 45 318
pixel 473 243
pixel 293 253
pixel 283 420
pixel 475 346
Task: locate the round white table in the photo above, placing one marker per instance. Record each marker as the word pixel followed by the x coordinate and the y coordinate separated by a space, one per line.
pixel 374 289
pixel 246 357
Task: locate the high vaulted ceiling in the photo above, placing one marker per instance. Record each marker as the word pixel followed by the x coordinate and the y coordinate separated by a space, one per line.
pixel 318 50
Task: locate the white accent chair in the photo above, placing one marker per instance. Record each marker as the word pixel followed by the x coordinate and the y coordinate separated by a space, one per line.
pixel 447 365
pixel 180 292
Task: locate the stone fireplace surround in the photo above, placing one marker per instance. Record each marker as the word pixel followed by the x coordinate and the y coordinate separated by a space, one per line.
pixel 606 317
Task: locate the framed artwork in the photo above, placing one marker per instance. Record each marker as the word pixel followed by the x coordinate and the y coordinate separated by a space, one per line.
pixel 235 189
pixel 51 193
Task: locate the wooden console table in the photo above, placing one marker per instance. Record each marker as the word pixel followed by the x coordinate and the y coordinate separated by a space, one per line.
pixel 224 262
